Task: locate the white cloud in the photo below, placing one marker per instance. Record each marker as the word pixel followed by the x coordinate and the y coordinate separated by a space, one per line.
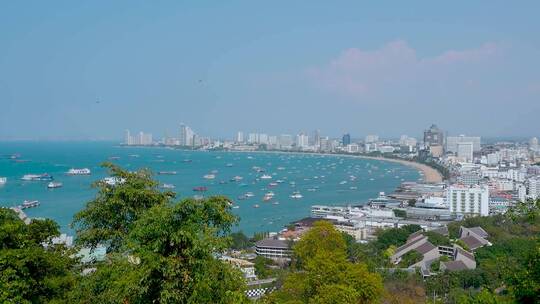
pixel 396 66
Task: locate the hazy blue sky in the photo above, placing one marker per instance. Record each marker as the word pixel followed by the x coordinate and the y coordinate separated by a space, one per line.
pixel 386 67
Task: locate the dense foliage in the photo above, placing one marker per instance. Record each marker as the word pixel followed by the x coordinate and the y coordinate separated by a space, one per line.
pixel 29 272
pixel 323 274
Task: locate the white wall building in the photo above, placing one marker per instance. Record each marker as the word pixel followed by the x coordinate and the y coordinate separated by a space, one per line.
pixel 470 201
pixel 452 142
pixel 240 137
pixel 372 138
pixel 534 187
pixel 465 151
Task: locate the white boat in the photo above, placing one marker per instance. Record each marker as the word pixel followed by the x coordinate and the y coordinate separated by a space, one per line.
pixel 83 171
pixel 296 195
pixel 37 177
pixel 3 180
pixel 209 176
pixel 29 204
pixel 249 194
pixel 255 206
pixel 236 207
pixel 168 186
pixel 266 176
pixel 53 185
pixel 113 181
pixel 342 182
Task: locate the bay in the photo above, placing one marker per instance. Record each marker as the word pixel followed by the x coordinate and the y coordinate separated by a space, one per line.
pixel 320 179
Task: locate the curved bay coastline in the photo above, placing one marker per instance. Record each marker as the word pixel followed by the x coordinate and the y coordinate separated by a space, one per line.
pixel 61 204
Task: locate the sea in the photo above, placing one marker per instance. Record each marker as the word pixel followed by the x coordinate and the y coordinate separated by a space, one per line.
pixel 319 179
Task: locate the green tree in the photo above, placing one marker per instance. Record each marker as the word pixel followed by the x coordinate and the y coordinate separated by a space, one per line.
pixel 261 267
pixel 325 275
pixel 30 273
pixel 109 218
pixel 240 241
pixel 168 257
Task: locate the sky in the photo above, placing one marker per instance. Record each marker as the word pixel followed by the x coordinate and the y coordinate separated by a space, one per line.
pixel 92 69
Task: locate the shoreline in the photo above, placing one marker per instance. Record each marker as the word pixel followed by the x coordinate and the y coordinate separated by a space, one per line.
pixel 428 174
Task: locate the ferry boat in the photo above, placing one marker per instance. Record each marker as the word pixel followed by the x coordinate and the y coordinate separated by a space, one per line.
pixel 167 173
pixel 53 185
pixel 266 176
pixel 3 180
pixel 200 189
pixel 168 186
pixel 37 177
pixel 209 176
pixel 29 204
pixel 83 171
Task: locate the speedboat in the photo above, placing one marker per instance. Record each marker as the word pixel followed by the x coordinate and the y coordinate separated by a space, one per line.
pixel 53 185
pixel 296 195
pixel 266 176
pixel 168 186
pixel 209 176
pixel 37 177
pixel 167 172
pixel 249 194
pixel 3 180
pixel 83 171
pixel 255 206
pixel 200 189
pixel 113 181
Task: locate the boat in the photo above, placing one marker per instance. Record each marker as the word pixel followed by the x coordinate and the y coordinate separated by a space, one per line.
pixel 272 184
pixel 53 185
pixel 296 195
pixel 236 179
pixel 168 186
pixel 236 207
pixel 342 182
pixel 114 157
pixel 281 168
pixel 279 181
pixel 311 189
pixel 242 197
pixel 266 176
pixel 249 194
pixel 353 187
pixel 3 180
pixel 37 177
pixel 29 204
pixel 229 165
pixel 200 189
pixel 268 196
pixel 255 206
pixel 167 172
pixel 83 171
pixel 187 160
pixel 113 181
pixel 275 203
pixel 209 176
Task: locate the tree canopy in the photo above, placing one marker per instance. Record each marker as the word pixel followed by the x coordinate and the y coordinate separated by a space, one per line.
pixel 325 275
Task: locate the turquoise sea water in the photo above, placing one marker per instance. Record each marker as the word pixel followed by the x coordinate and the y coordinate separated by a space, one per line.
pixel 325 174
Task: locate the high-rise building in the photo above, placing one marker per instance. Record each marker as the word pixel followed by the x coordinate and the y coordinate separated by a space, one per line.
pixel 466 200
pixel 315 140
pixel 302 140
pixel 452 142
pixel 465 151
pixel 534 187
pixel 533 144
pixel 371 139
pixel 263 139
pixel 186 135
pixel 433 136
pixel 128 139
pixel 253 138
pixel 240 137
pixel 285 141
pixel 346 139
